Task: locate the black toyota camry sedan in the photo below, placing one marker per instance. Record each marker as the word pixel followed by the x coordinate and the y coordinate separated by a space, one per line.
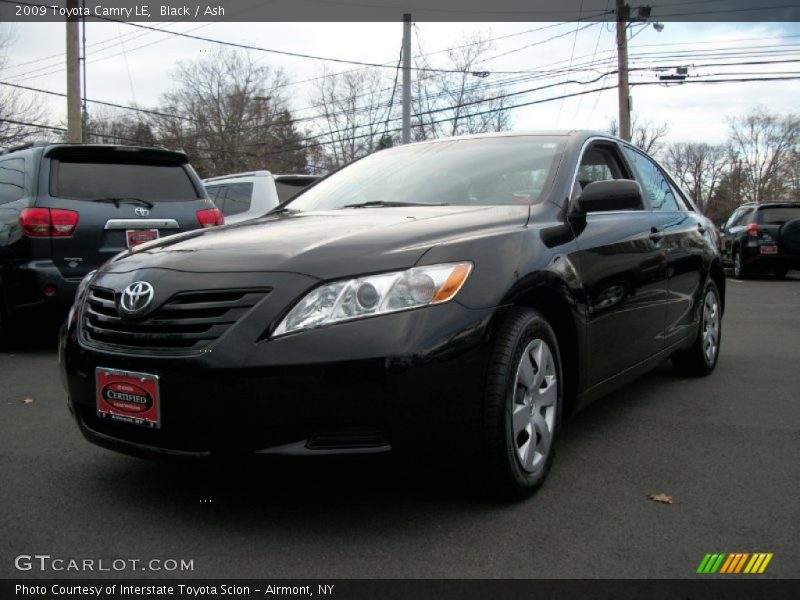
pixel 446 301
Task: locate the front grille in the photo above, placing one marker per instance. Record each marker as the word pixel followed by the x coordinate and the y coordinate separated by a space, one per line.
pixel 188 321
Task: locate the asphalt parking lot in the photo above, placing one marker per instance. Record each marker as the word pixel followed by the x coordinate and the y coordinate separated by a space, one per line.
pixel 725 448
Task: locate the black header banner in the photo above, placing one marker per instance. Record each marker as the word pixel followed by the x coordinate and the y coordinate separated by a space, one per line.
pixel 392 10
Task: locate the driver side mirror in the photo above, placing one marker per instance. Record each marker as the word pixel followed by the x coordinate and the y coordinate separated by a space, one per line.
pixel 612 194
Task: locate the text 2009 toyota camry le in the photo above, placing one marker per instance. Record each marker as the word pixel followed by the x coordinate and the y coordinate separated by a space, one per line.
pixel 451 299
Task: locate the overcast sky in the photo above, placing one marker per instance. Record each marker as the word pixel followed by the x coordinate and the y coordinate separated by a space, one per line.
pixel 127 65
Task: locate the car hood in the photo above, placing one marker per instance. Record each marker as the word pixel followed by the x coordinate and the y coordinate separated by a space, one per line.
pixel 325 245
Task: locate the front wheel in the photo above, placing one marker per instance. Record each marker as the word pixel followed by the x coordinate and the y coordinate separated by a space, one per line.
pixel 701 358
pixel 522 405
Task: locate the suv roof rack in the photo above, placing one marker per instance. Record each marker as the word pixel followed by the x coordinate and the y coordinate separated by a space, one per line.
pixel 25 146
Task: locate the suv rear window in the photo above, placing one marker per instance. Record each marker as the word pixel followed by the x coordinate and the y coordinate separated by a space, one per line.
pixel 85 180
pixel 778 215
pixel 231 198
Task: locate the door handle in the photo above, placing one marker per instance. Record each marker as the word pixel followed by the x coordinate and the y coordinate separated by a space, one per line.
pixel 655 235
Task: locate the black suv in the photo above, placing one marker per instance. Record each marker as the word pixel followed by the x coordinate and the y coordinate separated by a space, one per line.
pixel 763 238
pixel 66 208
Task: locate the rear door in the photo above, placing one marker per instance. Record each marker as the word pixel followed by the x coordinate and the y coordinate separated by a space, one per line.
pixel 681 237
pixel 122 197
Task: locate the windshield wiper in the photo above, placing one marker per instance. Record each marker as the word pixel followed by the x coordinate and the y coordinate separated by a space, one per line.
pixel 383 203
pixel 126 200
pixel 281 210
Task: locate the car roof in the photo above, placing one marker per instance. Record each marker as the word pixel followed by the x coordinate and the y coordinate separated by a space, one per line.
pixel 785 204
pixel 53 150
pixel 238 176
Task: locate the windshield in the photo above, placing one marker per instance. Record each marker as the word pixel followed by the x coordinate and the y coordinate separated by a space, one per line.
pixel 91 180
pixel 477 171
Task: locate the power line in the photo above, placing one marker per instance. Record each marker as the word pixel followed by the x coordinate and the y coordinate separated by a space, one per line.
pixel 488 111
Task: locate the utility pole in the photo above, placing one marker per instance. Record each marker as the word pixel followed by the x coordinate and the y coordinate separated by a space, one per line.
pixel 84 106
pixel 623 91
pixel 406 78
pixel 74 117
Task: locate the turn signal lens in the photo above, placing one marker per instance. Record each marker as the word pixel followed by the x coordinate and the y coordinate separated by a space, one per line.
pixel 752 230
pixel 375 295
pixel 450 288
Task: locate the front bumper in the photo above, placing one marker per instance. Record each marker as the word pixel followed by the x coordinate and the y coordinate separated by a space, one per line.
pixel 411 382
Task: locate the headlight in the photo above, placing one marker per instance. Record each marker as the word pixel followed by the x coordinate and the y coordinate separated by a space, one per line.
pixel 375 295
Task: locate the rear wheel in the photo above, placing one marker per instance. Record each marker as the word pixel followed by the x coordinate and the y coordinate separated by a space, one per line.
pixel 701 358
pixel 739 268
pixel 5 324
pixel 780 272
pixel 522 405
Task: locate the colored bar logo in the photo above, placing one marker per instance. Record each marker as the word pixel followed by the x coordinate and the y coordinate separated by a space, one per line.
pixel 734 563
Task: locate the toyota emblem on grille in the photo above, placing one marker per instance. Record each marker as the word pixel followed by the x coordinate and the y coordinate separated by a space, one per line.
pixel 141 211
pixel 136 297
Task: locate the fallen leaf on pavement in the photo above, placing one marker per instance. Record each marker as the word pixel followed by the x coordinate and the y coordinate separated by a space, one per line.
pixel 28 401
pixel 662 498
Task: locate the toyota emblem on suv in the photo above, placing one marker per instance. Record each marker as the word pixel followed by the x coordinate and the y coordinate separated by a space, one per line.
pixel 141 211
pixel 136 297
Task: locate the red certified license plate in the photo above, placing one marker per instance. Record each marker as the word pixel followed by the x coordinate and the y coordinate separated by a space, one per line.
pixel 768 249
pixel 140 236
pixel 128 397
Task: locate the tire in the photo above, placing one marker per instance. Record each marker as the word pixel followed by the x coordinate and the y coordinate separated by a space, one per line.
pixel 5 322
pixel 780 272
pixel 739 268
pixel 523 403
pixel 701 358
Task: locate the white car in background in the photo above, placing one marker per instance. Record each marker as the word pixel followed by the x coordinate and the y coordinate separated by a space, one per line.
pixel 244 196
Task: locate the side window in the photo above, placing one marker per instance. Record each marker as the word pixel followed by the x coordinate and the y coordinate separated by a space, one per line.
pixel 217 195
pixel 12 180
pixel 598 163
pixel 655 184
pixel 733 218
pixel 237 200
pixel 746 217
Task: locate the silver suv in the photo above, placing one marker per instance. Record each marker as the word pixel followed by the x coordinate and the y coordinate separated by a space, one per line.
pixel 244 196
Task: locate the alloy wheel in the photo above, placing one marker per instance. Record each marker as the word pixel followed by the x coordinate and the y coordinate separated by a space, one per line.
pixel 710 327
pixel 533 414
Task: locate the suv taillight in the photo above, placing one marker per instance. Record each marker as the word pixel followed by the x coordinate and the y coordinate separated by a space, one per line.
pixel 752 230
pixel 48 222
pixel 208 217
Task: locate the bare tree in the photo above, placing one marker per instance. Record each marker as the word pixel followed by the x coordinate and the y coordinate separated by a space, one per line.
pixel 18 109
pixel 352 109
pixel 455 100
pixel 229 114
pixel 698 167
pixel 646 135
pixel 111 126
pixel 764 143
